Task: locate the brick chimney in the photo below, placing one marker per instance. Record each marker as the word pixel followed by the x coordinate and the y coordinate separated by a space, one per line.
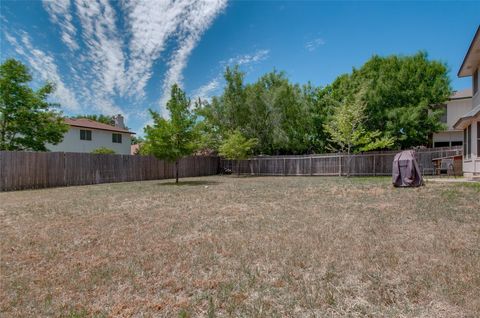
pixel 118 121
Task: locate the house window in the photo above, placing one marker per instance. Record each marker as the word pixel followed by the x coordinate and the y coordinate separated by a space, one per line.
pixel 457 143
pixel 467 147
pixel 443 119
pixel 475 82
pixel 117 138
pixel 85 134
pixel 438 144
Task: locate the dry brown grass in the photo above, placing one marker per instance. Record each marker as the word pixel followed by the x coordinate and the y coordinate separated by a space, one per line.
pixel 252 247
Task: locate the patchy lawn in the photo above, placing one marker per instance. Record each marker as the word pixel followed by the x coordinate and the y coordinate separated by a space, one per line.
pixel 227 246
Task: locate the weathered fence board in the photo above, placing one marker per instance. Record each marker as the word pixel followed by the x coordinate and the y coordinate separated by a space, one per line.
pixel 366 164
pixel 30 170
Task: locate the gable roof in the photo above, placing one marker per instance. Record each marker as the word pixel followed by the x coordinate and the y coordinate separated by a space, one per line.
pixel 463 94
pixel 465 119
pixel 88 123
pixel 472 58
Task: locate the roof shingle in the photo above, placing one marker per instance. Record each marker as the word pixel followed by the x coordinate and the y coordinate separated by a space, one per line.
pixel 88 123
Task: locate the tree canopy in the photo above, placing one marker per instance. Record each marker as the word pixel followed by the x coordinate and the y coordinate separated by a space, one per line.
pixel 348 132
pixel 237 147
pixel 399 99
pixel 280 115
pixel 27 120
pixel 104 119
pixel 401 93
pixel 176 137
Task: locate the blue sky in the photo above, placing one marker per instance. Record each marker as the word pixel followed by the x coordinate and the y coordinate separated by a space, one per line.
pixel 121 56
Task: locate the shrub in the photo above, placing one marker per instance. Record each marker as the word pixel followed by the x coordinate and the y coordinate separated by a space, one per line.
pixel 104 151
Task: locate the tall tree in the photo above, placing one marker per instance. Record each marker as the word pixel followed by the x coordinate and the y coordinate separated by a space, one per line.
pixel 209 125
pixel 401 93
pixel 174 138
pixel 27 120
pixel 348 132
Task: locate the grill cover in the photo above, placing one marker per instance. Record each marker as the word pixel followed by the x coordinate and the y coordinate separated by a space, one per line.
pixel 405 172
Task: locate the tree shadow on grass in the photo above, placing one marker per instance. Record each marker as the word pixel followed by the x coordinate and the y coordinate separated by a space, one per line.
pixel 190 183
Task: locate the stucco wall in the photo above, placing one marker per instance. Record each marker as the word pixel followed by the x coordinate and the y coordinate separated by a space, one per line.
pixel 100 138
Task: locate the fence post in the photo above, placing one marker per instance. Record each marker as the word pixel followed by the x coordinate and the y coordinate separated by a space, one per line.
pixel 340 165
pixel 64 171
pixel 284 167
pixel 374 174
pixel 311 172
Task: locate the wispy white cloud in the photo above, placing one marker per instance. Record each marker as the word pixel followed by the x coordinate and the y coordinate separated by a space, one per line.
pixel 150 24
pixel 44 65
pixel 59 13
pixel 314 44
pixel 105 47
pixel 196 20
pixel 258 56
pixel 113 49
pixel 207 90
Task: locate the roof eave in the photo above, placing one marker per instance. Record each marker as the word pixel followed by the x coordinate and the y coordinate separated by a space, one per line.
pixel 460 123
pixel 95 128
pixel 464 72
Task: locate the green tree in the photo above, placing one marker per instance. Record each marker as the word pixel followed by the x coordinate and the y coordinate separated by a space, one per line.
pixel 401 93
pixel 137 140
pixel 233 99
pixel 176 137
pixel 210 131
pixel 27 120
pixel 104 151
pixel 104 119
pixel 237 147
pixel 348 132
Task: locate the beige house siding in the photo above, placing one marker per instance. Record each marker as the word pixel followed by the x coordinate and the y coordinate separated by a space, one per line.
pixel 100 138
pixel 471 165
pixel 451 137
pixel 455 109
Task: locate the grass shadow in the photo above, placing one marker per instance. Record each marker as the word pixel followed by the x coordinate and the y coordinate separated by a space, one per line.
pixel 192 183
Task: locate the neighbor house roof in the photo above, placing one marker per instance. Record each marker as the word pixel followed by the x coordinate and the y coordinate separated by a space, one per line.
pixel 463 94
pixel 472 58
pixel 88 123
pixel 463 121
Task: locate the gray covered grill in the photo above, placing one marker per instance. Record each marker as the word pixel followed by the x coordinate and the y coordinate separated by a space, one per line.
pixel 405 170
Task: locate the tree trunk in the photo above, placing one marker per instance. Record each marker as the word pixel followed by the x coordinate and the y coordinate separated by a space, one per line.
pixel 176 171
pixel 349 161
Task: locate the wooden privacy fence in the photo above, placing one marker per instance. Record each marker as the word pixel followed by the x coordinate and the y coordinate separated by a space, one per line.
pixel 366 164
pixel 27 170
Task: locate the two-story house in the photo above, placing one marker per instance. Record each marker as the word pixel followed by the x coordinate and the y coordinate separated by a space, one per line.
pixel 459 104
pixel 470 121
pixel 85 135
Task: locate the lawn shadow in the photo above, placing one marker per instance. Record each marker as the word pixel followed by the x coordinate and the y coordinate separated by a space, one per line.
pixel 192 183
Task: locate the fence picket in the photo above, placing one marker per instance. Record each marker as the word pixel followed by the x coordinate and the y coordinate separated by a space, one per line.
pixel 28 170
pixel 377 163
